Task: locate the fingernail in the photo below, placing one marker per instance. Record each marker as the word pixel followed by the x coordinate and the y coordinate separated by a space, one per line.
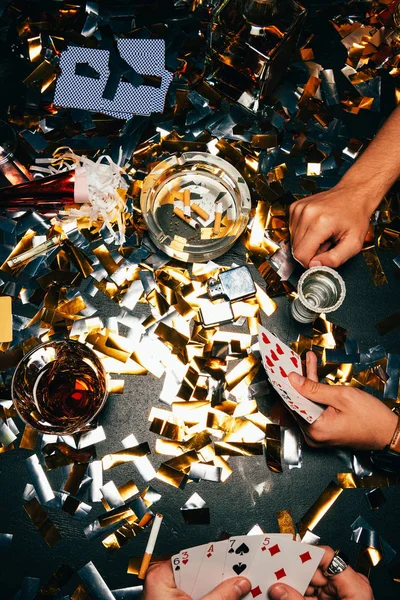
pixel 315 263
pixel 278 592
pixel 243 586
pixel 296 378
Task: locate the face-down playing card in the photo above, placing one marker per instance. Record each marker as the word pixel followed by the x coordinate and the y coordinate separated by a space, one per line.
pixel 279 360
pixel 285 561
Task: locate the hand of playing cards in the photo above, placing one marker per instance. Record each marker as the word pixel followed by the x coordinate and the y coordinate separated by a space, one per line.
pixel 263 559
pixel 279 360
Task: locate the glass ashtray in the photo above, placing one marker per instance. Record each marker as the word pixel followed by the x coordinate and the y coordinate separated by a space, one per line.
pixel 195 206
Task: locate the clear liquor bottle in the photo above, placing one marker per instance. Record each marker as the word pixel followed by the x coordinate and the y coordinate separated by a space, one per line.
pixel 251 42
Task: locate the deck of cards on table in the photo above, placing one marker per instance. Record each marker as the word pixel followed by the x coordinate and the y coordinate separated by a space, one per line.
pixel 279 360
pixel 264 559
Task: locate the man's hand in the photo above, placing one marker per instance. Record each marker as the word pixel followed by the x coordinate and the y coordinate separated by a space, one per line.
pixel 347 418
pixel 334 218
pixel 160 585
pixel 347 585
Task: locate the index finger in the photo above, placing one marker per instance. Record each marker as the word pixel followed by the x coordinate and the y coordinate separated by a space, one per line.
pixel 308 246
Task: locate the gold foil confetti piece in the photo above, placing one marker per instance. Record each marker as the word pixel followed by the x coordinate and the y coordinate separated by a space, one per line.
pixel 375 267
pixel 158 302
pixel 285 522
pixel 134 565
pixel 319 508
pixel 29 438
pixel 245 408
pixel 75 478
pixel 168 447
pixel 376 480
pixel 241 370
pixel 267 305
pixel 273 448
pixel 126 455
pixel 111 542
pixel 183 461
pixel 259 224
pixel 115 515
pixel 81 262
pixel 99 343
pixel 23 245
pixel 42 77
pixel 260 420
pixel 171 336
pixel 40 519
pixel 114 366
pixel 244 309
pixel 105 258
pixel 81 593
pixel 115 386
pixel 166 429
pixel 252 323
pixel 34 48
pixel 191 412
pixel 72 307
pixel 171 476
pixel 238 448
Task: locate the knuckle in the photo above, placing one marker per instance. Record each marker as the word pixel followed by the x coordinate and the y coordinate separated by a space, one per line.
pixel 313 387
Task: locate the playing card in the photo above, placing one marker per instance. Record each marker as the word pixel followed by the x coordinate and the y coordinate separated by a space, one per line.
pixel 304 407
pixel 284 561
pixel 190 561
pixel 241 550
pixel 211 569
pixel 176 568
pixel 279 360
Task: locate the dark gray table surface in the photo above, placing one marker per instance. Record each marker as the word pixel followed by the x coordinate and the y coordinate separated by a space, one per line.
pixel 239 503
pixel 253 494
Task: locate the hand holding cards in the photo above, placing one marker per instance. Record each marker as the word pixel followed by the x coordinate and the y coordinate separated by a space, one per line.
pixel 263 559
pixel 279 360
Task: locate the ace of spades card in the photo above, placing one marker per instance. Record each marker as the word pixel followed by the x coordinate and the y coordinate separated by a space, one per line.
pixel 279 360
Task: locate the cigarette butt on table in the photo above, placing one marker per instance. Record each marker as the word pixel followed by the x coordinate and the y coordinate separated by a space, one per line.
pixel 218 219
pixel 199 211
pixel 186 203
pixel 148 553
pixel 179 213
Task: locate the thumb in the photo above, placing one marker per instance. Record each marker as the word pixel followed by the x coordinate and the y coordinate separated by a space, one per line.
pixel 231 589
pixel 317 392
pixel 283 592
pixel 335 257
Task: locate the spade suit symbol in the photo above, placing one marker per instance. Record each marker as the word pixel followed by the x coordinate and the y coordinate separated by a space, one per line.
pixel 239 568
pixel 242 549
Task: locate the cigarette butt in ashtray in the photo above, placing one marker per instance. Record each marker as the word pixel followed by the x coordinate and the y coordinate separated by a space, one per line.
pixel 186 203
pixel 179 213
pixel 218 219
pixel 199 211
pixel 148 553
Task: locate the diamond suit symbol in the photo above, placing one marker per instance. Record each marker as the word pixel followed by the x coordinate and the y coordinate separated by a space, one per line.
pixel 274 550
pixel 281 573
pixel 305 557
